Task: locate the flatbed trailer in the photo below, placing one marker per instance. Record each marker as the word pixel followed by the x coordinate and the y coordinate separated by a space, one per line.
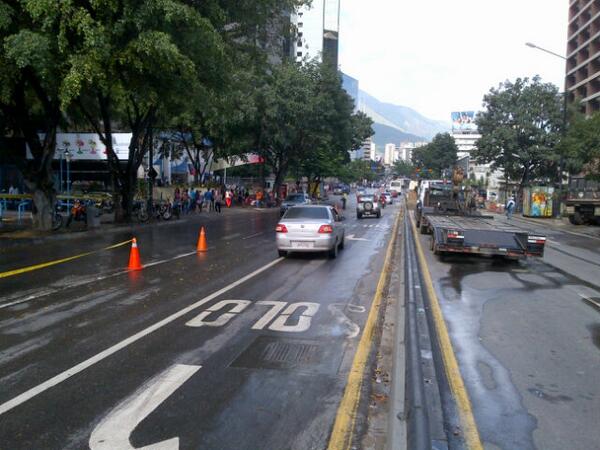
pixel 476 234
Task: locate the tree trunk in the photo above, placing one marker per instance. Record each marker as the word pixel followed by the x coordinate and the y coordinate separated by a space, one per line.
pixel 43 207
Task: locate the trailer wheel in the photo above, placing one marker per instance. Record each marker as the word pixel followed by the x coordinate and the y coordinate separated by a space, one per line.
pixel 423 228
pixel 576 218
pixel 434 249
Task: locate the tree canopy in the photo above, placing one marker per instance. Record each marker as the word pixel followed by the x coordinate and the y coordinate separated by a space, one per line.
pixel 581 146
pixel 432 159
pixel 520 128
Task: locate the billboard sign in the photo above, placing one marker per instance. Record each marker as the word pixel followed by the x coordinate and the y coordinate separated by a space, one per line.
pixel 88 146
pixel 463 121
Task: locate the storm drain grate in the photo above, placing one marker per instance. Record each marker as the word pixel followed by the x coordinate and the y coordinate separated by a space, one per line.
pixel 290 352
pixel 269 352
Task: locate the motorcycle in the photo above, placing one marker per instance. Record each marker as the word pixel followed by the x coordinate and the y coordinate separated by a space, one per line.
pixel 78 213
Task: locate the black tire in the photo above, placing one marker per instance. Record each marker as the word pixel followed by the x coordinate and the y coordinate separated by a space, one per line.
pixel 57 221
pixel 142 215
pixel 332 254
pixel 379 215
pixel 282 253
pixel 576 218
pixel 358 215
pixel 423 229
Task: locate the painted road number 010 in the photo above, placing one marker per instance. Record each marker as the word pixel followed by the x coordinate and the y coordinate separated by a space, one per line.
pixel 278 315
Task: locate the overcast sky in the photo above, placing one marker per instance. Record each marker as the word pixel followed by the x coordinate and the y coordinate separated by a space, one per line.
pixel 438 56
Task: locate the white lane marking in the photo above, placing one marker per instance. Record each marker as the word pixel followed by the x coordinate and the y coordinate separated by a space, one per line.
pixel 88 281
pixel 58 289
pixel 29 394
pixel 114 430
pixel 232 236
pixel 351 237
pixel 198 321
pixel 276 308
pixel 279 324
pixel 253 235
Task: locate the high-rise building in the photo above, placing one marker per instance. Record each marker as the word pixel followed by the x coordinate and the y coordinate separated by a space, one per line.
pixel 406 149
pixel 366 152
pixel 388 154
pixel 583 54
pixel 350 85
pixel 318 31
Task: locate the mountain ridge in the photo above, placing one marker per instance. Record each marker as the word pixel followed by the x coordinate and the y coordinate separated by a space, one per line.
pixel 398 122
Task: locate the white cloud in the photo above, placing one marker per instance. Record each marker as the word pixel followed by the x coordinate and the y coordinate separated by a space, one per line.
pixel 438 56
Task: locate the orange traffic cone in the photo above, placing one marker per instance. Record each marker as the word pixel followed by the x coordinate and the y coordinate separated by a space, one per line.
pixel 202 247
pixel 134 257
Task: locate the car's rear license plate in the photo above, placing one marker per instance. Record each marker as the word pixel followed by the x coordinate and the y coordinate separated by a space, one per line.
pixel 302 244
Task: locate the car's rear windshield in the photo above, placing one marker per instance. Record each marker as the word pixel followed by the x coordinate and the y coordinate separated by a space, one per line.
pixel 307 213
pixel 295 198
pixel 366 198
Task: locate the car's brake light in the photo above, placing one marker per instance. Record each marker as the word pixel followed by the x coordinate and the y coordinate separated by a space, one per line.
pixel 281 228
pixel 326 229
pixel 455 235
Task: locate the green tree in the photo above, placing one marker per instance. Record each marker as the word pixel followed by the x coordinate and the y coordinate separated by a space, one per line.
pixel 32 70
pixel 132 65
pixel 581 146
pixel 403 168
pixel 520 128
pixel 432 159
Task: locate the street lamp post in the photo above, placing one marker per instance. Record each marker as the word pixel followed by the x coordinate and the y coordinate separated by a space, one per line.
pixel 68 158
pixel 561 162
pixel 60 184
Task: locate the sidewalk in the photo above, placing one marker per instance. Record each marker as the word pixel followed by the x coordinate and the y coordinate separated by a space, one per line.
pixel 13 236
pixel 560 224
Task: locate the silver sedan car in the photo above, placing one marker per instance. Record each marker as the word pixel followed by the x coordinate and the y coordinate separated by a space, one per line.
pixel 310 228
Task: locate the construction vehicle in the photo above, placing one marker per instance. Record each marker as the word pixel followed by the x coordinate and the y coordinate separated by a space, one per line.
pixel 448 212
pixel 583 200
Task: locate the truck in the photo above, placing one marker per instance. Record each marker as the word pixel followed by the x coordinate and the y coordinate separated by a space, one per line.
pixel 449 214
pixel 583 200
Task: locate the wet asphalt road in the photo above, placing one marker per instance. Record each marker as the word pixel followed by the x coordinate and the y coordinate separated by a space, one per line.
pixel 266 368
pixel 528 341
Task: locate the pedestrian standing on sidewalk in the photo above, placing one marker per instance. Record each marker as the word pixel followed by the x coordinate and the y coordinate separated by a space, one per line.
pixel 199 200
pixel 218 199
pixel 185 198
pixel 228 198
pixel 510 207
pixel 212 200
pixel 207 200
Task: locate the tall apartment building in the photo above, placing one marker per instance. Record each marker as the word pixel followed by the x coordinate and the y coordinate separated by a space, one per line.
pixel 318 31
pixel 366 152
pixel 389 154
pixel 583 54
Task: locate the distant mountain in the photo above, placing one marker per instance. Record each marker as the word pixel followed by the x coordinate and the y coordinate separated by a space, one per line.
pixel 385 134
pixel 401 118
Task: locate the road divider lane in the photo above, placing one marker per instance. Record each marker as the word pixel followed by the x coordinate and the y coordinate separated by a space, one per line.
pixel 42 387
pixel 455 380
pixel 343 428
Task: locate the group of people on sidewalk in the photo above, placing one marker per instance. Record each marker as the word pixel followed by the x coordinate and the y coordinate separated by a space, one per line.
pixel 192 200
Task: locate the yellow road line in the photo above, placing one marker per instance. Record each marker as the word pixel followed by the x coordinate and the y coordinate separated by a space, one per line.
pixel 343 428
pixel 457 385
pixel 14 272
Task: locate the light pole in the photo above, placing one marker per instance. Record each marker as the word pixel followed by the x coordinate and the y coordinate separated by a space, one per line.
pixel 60 152
pixel 561 163
pixel 68 158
